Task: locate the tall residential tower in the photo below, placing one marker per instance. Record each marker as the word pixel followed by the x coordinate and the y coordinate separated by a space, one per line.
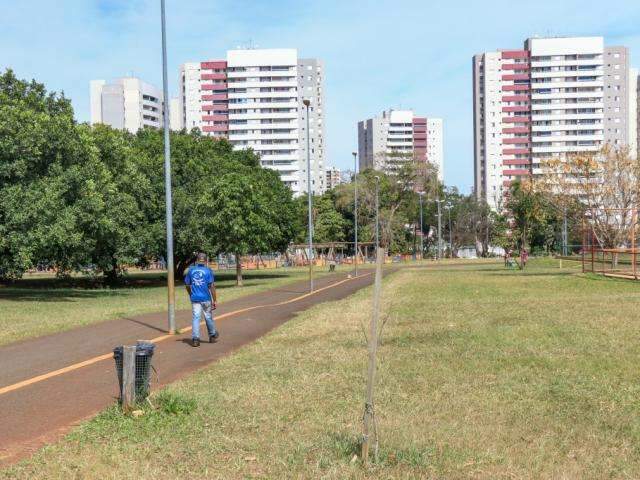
pixel 555 96
pixel 126 103
pixel 254 98
pixel 399 134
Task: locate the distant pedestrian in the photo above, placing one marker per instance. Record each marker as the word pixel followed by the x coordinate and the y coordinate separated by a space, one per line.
pixel 201 287
pixel 524 257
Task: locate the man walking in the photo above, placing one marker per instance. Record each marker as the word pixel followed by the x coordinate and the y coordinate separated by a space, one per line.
pixel 202 292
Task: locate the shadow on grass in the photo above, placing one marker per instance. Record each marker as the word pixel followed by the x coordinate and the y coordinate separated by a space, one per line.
pixel 79 288
pixel 501 272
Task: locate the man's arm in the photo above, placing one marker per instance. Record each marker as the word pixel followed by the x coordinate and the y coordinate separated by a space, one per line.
pixel 187 282
pixel 214 294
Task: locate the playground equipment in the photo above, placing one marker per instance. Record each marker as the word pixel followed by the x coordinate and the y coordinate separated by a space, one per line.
pixel 326 253
pixel 610 243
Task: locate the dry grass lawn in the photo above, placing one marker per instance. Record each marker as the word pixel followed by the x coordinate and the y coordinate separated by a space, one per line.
pixel 485 373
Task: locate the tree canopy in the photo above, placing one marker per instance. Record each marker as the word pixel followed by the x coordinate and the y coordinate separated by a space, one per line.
pixel 82 198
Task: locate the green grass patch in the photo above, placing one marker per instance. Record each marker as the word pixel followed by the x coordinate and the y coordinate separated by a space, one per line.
pixel 39 305
pixel 484 373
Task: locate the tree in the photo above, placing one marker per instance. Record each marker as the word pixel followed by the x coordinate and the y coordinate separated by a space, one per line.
pixel 605 183
pixel 51 181
pixel 529 211
pixel 197 162
pixel 251 210
pixel 329 224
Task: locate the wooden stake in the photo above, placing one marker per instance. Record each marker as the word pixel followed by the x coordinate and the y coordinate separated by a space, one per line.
pixel 128 378
pixel 373 350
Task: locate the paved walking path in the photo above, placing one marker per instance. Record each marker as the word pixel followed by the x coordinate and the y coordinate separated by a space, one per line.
pixel 49 384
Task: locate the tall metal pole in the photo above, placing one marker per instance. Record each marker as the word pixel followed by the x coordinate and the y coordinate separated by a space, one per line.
pixel 564 232
pixel 450 236
pixel 355 208
pixel 167 179
pixel 309 200
pixel 377 213
pixel 439 230
pixel 421 229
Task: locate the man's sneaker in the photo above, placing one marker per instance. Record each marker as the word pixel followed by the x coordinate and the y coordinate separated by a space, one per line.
pixel 214 338
pixel 195 342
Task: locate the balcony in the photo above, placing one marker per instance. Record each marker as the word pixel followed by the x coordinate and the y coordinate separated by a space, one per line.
pixel 215 118
pixel 517 119
pixel 516 88
pixel 212 96
pixel 513 54
pixel 516 130
pixel 516 172
pixel 516 76
pixel 520 161
pixel 516 151
pixel 567 149
pixel 213 65
pixel 208 108
pixel 516 108
pixel 516 140
pixel 569 116
pixel 515 98
pixel 213 76
pixel 515 66
pixel 215 128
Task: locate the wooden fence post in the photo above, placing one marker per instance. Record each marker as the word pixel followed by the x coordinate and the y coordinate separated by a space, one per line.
pixel 128 378
pixel 373 350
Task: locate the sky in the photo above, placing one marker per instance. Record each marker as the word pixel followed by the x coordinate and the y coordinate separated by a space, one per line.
pixel 378 54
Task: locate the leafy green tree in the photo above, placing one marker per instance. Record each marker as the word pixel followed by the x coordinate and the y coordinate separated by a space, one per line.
pixel 50 179
pixel 197 162
pixel 529 211
pixel 251 210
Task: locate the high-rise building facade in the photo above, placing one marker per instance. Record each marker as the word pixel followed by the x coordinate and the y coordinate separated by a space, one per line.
pixel 333 177
pixel 395 135
pixel 254 98
pixel 126 103
pixel 554 97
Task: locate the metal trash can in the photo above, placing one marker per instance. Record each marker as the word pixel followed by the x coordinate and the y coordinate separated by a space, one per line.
pixel 144 353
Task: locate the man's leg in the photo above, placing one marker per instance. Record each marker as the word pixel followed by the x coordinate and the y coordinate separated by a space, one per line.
pixel 208 318
pixel 196 310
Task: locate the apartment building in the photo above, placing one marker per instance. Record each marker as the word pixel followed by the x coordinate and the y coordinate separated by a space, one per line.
pixel 397 135
pixel 552 98
pixel 254 98
pixel 126 103
pixel 333 177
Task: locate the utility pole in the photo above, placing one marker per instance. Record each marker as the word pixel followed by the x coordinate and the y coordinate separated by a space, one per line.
pixel 167 179
pixel 564 232
pixel 307 102
pixel 421 194
pixel 448 207
pixel 355 211
pixel 439 230
pixel 377 212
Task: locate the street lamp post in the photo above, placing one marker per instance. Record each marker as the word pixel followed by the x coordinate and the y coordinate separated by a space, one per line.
pixel 377 212
pixel 564 232
pixel 167 179
pixel 439 230
pixel 355 210
pixel 307 102
pixel 421 194
pixel 448 207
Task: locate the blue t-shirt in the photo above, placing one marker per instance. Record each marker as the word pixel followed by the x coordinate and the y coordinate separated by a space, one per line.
pixel 200 278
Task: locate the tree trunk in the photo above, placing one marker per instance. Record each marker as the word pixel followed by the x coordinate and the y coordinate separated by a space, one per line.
pixel 238 270
pixel 181 266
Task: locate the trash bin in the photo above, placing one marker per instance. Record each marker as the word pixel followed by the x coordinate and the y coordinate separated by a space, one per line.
pixel 144 353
